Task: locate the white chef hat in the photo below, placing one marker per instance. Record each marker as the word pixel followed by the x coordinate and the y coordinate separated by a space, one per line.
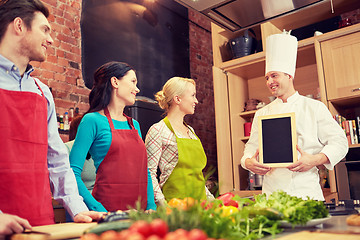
pixel 281 52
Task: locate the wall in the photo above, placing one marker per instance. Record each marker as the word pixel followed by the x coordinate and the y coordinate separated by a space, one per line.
pixel 62 69
pixel 201 57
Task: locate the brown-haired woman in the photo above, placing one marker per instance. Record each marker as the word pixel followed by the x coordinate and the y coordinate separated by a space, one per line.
pixel 114 142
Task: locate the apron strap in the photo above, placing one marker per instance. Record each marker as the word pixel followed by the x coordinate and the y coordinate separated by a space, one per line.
pixel 168 124
pixel 130 121
pixel 107 114
pixel 39 88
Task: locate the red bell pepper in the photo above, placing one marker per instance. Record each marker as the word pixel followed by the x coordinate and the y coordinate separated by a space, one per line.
pixel 226 198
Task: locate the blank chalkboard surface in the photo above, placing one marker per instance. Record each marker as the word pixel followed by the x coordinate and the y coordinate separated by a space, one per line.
pixel 277 140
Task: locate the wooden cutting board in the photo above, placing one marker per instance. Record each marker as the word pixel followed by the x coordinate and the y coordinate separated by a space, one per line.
pixel 320 236
pixel 55 231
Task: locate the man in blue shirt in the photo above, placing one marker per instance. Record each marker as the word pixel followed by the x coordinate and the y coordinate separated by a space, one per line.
pixel 33 158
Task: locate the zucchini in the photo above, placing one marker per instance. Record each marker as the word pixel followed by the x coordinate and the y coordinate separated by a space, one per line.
pixel 106 226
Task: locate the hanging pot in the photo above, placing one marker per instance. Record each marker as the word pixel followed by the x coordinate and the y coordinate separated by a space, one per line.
pixel 243 45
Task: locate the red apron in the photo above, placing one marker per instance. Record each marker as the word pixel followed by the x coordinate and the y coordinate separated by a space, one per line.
pixel 121 178
pixel 24 176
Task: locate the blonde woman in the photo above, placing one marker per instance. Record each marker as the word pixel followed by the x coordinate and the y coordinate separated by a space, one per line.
pixel 173 147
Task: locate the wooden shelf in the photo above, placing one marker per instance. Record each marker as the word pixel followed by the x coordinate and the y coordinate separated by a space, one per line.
pixel 246 67
pixel 244 139
pixel 354 146
pixel 247 193
pixel 346 102
pixel 248 114
pixel 63 131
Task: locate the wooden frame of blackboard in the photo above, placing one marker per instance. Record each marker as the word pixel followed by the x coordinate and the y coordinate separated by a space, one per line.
pixel 277 140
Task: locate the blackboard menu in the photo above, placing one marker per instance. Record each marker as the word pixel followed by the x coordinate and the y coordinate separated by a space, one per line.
pixel 277 140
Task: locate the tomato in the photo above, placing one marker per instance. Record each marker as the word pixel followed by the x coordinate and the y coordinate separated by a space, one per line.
pixel 90 236
pixel 226 198
pixel 171 236
pixel 159 227
pixel 135 236
pixel 154 237
pixel 197 234
pixel 141 227
pixel 181 232
pixel 124 234
pixel 109 235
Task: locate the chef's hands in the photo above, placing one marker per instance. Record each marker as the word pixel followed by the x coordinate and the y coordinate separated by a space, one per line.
pixel 88 216
pixel 10 224
pixel 308 161
pixel 253 165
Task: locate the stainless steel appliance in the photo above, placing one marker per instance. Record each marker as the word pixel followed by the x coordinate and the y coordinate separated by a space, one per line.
pixel 241 14
pixel 347 174
pixel 255 181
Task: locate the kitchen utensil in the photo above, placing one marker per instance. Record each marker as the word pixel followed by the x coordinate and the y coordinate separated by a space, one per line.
pixel 243 45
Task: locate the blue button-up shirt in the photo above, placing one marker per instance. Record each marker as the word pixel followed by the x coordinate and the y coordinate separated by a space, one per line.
pixel 62 179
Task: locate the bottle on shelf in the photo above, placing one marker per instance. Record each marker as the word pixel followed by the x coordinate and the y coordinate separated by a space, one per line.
pixel 61 122
pixel 58 120
pixel 71 114
pixel 66 121
pixel 77 112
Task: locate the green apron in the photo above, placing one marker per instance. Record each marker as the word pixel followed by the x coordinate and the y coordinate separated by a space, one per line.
pixel 187 179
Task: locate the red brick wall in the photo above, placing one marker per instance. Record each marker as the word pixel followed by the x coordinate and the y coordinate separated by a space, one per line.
pixel 62 69
pixel 201 59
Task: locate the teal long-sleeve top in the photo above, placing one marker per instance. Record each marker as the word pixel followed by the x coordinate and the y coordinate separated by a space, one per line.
pixel 94 136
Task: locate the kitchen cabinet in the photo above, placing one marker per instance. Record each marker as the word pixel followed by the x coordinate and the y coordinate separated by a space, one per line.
pixel 341 73
pixel 237 80
pixel 340 56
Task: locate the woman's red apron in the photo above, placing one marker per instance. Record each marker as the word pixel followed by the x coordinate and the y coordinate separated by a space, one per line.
pixel 121 178
pixel 24 176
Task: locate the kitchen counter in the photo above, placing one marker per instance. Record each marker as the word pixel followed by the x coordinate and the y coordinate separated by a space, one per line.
pixel 336 225
pixel 333 228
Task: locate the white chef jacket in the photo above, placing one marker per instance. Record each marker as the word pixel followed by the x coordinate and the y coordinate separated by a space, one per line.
pixel 317 132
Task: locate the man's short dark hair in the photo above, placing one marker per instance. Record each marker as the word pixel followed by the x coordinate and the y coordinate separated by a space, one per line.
pixel 25 9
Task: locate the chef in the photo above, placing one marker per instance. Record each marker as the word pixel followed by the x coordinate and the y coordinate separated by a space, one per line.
pixel 320 140
pixel 33 158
